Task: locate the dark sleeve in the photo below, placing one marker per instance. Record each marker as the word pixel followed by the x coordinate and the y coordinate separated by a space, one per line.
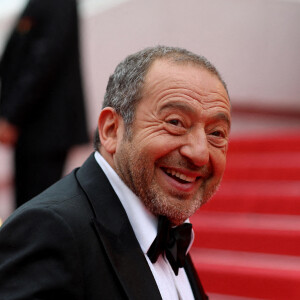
pixel 35 53
pixel 39 258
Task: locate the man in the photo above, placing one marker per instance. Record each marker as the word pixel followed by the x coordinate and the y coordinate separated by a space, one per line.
pixel 161 148
pixel 41 94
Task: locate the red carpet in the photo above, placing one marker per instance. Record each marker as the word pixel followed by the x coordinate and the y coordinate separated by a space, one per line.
pixel 248 236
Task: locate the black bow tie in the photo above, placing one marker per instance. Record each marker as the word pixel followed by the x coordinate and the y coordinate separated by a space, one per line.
pixel 174 242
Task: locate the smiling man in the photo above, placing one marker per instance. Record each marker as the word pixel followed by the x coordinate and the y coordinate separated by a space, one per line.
pixel 117 228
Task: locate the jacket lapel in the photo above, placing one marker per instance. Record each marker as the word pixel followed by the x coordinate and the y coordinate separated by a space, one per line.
pixel 116 234
pixel 195 283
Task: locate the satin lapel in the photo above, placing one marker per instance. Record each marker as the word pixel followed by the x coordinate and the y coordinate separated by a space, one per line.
pixel 194 280
pixel 116 234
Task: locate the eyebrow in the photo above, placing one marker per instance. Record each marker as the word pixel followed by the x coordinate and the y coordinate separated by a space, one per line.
pixel 223 117
pixel 181 106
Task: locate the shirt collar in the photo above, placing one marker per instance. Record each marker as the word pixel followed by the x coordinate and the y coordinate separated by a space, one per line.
pixel 143 222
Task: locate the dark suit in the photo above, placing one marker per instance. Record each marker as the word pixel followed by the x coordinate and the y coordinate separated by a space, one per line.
pixel 77 244
pixel 41 90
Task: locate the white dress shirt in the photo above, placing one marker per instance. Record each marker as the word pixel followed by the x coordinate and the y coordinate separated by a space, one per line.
pixel 144 225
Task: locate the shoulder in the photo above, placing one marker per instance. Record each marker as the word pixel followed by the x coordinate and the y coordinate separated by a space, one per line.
pixel 43 234
pixel 64 204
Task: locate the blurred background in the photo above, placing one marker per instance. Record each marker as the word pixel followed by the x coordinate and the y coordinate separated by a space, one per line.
pixel 248 236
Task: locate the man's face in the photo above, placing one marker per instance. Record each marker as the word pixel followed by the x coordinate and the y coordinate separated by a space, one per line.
pixel 176 155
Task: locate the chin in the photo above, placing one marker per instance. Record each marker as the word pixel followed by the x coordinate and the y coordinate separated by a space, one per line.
pixel 177 211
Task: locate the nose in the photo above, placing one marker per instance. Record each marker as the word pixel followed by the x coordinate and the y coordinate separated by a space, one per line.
pixel 196 148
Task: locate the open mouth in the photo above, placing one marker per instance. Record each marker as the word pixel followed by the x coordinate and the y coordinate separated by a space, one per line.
pixel 179 177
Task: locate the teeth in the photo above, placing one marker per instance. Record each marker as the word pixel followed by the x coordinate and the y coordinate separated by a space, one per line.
pixel 181 176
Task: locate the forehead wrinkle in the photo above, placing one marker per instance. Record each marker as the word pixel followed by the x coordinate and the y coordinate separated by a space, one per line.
pixel 163 86
pixel 179 106
pixel 186 97
pixel 184 89
pixel 219 95
pixel 173 81
pixel 176 85
pixel 163 70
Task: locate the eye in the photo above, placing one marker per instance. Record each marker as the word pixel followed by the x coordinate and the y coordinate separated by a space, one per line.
pixel 175 122
pixel 218 133
pixel 176 125
pixel 218 137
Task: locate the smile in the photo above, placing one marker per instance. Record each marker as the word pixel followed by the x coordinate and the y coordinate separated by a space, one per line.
pixel 182 178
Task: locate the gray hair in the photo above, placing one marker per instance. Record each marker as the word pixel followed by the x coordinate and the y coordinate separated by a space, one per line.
pixel 125 85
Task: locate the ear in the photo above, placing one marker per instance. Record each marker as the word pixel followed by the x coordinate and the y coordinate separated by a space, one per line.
pixel 108 125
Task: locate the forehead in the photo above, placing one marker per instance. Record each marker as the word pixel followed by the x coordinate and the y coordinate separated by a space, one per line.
pixel 190 80
pixel 163 72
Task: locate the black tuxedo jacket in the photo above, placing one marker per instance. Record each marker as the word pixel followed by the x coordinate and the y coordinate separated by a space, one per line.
pixel 74 241
pixel 41 86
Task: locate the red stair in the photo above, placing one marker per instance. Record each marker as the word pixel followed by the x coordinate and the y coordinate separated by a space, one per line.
pixel 247 242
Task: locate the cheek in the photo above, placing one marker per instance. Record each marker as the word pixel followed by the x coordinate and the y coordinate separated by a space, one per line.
pixel 218 159
pixel 158 146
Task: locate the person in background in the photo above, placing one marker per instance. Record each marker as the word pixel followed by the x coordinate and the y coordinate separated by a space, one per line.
pixel 118 226
pixel 42 113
